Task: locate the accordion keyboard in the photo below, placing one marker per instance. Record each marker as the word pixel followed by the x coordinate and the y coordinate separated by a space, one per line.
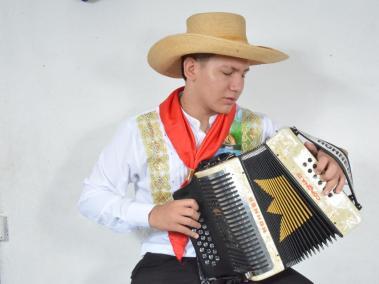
pixel 206 246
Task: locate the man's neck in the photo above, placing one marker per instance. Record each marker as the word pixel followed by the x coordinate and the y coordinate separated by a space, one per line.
pixel 191 106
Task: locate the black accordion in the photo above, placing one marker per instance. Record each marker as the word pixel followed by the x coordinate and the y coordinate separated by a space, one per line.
pixel 263 211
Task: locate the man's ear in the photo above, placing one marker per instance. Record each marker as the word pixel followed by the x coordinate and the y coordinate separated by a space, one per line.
pixel 190 68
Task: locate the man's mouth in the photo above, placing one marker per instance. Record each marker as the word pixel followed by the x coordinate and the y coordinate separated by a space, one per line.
pixel 230 100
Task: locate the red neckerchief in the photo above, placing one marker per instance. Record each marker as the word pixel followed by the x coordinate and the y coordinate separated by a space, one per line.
pixel 180 134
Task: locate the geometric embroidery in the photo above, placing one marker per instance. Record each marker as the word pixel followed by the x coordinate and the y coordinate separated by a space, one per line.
pixel 251 131
pixel 157 157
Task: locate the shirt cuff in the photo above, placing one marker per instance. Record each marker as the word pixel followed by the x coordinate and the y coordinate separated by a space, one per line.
pixel 138 214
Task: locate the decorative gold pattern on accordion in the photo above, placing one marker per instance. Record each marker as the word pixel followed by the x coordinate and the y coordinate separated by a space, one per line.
pixel 286 202
pixel 157 156
pixel 251 131
pixel 292 153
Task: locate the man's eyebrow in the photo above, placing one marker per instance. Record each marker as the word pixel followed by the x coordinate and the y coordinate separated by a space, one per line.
pixel 236 69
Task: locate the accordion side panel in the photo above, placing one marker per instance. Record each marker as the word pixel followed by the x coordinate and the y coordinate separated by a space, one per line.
pixel 242 185
pixel 291 152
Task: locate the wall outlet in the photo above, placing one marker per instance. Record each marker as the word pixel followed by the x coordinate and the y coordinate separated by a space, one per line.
pixel 4 228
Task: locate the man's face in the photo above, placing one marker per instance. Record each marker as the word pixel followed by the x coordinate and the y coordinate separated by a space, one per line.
pixel 219 82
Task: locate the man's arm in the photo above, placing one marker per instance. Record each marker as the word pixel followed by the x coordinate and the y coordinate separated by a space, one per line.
pixel 104 197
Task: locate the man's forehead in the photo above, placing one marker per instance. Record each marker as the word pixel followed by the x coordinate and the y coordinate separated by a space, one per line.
pixel 234 63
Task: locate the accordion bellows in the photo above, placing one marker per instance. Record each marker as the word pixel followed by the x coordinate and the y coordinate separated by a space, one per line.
pixel 263 211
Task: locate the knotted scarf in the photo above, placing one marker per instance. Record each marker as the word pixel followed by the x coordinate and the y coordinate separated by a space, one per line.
pixel 180 134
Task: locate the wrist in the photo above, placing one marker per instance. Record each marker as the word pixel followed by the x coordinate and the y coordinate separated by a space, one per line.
pixel 150 216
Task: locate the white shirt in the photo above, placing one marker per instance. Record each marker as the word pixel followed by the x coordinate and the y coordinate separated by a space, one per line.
pixel 104 198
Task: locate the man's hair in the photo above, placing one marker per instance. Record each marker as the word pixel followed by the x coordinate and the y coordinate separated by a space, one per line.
pixel 198 57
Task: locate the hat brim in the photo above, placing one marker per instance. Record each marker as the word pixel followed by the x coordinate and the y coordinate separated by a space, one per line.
pixel 165 56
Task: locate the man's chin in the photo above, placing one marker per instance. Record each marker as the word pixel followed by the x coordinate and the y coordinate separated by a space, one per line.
pixel 225 109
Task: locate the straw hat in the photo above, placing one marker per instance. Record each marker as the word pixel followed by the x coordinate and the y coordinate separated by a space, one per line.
pixel 216 33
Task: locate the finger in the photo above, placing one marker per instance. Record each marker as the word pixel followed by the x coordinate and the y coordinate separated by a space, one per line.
pixel 331 172
pixel 311 147
pixel 190 203
pixel 330 185
pixel 189 212
pixel 341 184
pixel 321 164
pixel 186 231
pixel 189 222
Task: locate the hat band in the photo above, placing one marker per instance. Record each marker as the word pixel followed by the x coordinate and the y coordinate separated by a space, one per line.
pixel 238 38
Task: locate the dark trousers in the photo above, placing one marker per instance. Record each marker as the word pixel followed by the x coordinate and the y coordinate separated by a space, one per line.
pixel 165 269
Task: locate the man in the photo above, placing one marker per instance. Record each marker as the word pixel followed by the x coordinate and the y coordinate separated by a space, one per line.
pixel 159 150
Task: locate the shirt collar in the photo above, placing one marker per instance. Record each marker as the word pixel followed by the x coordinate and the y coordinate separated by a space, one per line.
pixel 195 123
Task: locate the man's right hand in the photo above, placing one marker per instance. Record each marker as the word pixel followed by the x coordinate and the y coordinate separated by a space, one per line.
pixel 177 216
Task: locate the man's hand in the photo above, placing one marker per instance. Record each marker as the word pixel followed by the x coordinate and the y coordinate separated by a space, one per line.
pixel 328 169
pixel 177 216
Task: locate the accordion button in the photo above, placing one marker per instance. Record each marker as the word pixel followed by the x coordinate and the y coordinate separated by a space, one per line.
pixel 206 233
pixel 210 256
pixel 199 243
pixel 213 263
pixel 202 238
pixel 206 262
pixel 209 239
pixel 309 160
pixel 204 226
pixel 201 249
pixel 217 258
pixel 200 232
pixel 205 244
pixel 204 256
pixel 211 246
pixel 214 251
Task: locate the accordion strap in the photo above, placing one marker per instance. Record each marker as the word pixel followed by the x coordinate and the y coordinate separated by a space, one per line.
pixel 337 154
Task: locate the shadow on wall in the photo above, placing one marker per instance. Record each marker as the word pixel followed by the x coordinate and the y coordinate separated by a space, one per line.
pixel 95 253
pixel 90 1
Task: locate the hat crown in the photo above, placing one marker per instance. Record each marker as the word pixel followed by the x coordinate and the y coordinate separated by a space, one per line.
pixel 224 25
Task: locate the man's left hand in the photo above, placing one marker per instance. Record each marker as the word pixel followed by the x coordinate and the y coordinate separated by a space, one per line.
pixel 328 169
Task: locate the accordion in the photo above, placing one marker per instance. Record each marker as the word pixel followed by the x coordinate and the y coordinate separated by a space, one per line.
pixel 264 211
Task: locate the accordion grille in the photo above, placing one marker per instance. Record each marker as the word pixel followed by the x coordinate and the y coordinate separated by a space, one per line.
pixel 297 225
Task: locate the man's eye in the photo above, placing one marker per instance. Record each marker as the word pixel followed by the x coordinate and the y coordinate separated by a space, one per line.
pixel 227 73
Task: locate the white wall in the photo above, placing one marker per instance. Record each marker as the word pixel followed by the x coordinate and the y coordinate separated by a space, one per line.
pixel 70 71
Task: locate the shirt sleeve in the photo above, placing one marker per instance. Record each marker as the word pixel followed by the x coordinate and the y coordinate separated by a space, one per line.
pixel 104 198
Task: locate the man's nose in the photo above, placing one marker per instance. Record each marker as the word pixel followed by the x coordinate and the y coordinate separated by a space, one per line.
pixel 237 83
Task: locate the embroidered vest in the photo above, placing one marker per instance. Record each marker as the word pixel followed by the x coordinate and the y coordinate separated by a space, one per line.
pixel 245 134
